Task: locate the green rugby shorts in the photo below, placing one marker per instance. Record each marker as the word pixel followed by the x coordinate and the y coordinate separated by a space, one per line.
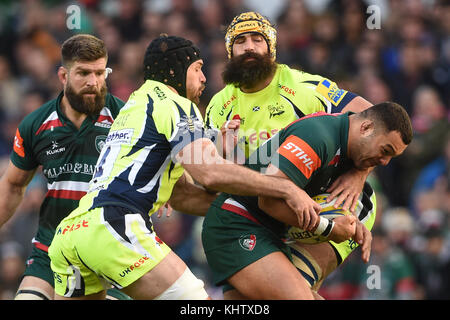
pixel 233 239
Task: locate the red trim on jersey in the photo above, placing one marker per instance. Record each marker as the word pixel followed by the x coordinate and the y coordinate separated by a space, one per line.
pixel 102 118
pixel 48 125
pixel 66 194
pixel 41 246
pixel 335 160
pixel 312 115
pixel 239 211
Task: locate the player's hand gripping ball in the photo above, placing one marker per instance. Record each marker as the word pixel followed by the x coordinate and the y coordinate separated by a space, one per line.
pixel 328 212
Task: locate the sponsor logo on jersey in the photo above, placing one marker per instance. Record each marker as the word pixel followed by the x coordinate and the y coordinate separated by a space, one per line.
pixel 77 167
pixel 55 149
pixel 99 143
pixel 120 136
pixel 275 110
pixel 262 135
pixel 73 227
pixel 331 91
pixel 248 242
pixel 286 89
pixel 103 124
pixel 256 108
pixel 161 95
pixel 18 144
pixel 300 154
pixel 226 104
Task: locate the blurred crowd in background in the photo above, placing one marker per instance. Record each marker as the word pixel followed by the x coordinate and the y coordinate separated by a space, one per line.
pixel 406 60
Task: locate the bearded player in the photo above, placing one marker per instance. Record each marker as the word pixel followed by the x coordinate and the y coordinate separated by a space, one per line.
pixel 260 98
pixel 65 137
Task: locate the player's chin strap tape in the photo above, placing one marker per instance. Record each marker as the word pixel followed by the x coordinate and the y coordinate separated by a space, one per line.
pixel 32 293
pixel 324 228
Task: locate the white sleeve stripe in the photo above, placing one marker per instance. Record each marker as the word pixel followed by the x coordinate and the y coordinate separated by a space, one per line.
pixel 68 185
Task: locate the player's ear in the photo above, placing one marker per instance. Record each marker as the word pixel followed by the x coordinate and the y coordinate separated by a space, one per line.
pixel 63 73
pixel 367 127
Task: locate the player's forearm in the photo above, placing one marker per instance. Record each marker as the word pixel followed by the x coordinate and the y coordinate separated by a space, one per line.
pixel 191 199
pixel 239 180
pixel 11 196
pixel 202 162
pixel 278 209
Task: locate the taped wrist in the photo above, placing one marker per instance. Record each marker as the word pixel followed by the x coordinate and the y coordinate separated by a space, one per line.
pixel 324 228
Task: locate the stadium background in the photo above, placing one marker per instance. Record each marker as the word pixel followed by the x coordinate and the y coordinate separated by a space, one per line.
pixel 406 60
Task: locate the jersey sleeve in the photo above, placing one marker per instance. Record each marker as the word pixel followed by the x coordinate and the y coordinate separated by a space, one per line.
pixel 22 155
pixel 297 159
pixel 334 98
pixel 300 153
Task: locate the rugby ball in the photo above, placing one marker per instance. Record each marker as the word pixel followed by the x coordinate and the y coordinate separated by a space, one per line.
pixel 328 211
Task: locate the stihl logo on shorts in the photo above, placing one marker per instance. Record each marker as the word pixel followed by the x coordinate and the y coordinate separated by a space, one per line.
pixel 248 242
pixel 300 154
pixel 18 144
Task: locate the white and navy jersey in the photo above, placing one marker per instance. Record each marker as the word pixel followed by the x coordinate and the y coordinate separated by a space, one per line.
pixel 136 169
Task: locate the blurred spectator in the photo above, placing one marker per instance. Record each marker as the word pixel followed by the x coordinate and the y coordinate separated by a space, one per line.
pixel 129 19
pixel 432 260
pixel 10 89
pixel 433 180
pixel 396 270
pixel 389 275
pixel 11 269
pixel 431 127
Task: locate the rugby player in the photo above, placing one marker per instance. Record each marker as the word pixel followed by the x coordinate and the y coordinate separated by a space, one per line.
pixel 109 239
pixel 65 137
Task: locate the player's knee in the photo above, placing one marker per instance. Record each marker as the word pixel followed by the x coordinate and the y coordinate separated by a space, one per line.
pixel 32 293
pixel 187 287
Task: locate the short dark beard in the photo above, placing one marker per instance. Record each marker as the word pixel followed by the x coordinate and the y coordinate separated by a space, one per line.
pixel 85 106
pixel 247 74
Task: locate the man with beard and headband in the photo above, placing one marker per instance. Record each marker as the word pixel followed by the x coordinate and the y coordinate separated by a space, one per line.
pixel 157 136
pixel 262 96
pixel 65 137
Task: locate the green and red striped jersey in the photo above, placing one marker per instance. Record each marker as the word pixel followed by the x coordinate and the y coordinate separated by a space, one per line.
pixel 47 138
